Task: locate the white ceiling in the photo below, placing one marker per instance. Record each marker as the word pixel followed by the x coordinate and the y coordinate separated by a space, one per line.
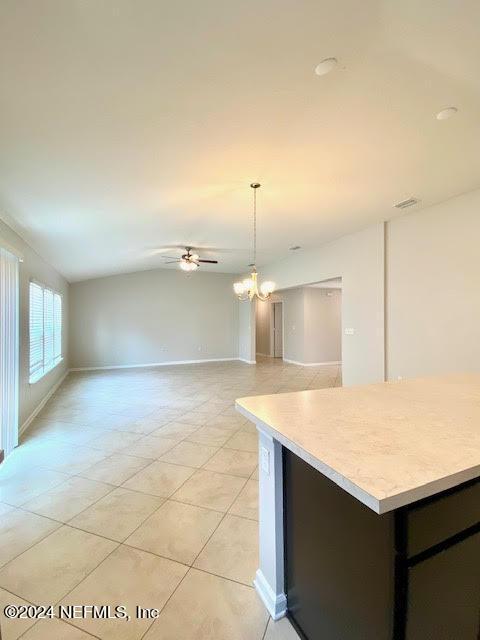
pixel 129 124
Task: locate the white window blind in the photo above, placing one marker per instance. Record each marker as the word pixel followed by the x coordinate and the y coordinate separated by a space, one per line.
pixel 36 329
pixel 45 330
pixel 57 326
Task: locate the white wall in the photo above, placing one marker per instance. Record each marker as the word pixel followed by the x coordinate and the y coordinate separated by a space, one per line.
pixel 312 325
pixel 359 260
pixel 293 324
pixel 153 316
pixel 246 331
pixel 433 287
pixel 323 325
pixel 34 267
pixel 411 291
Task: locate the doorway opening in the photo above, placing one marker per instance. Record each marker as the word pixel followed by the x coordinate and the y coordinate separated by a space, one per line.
pixel 269 328
pixel 277 329
pixel 303 325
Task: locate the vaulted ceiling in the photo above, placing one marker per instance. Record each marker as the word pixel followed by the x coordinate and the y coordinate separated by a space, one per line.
pixel 126 125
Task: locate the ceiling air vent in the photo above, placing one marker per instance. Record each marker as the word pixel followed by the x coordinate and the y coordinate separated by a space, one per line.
pixel 404 204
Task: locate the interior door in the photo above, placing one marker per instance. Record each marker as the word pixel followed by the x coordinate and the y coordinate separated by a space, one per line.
pixel 9 346
pixel 278 330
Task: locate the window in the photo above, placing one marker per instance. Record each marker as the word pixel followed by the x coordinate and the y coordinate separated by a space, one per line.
pixel 45 330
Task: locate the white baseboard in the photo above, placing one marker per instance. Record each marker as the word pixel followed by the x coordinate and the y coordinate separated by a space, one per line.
pixel 153 364
pixel 276 604
pixel 247 361
pixel 312 364
pixel 43 402
pixel 265 355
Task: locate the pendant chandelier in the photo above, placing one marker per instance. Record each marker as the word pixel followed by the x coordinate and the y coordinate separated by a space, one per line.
pixel 248 288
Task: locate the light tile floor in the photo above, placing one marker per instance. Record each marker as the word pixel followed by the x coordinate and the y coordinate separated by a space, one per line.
pixel 140 488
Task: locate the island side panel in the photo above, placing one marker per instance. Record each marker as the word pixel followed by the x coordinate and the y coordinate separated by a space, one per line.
pixel 339 559
pixel 270 577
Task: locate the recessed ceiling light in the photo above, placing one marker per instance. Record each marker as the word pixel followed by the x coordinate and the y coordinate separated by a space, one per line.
pixel 295 248
pixel 326 66
pixel 447 113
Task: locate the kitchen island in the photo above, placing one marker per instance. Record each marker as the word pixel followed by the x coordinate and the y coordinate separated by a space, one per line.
pixel 369 521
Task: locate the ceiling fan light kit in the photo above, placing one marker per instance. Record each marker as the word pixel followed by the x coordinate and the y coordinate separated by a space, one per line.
pixel 188 266
pixel 248 289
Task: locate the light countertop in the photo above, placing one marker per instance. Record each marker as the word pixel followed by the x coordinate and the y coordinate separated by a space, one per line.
pixel 386 444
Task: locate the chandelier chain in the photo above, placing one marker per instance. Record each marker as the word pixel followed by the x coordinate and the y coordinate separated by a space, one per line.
pixel 254 227
pixel 249 289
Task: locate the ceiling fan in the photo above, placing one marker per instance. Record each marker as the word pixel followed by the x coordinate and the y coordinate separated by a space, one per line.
pixel 188 261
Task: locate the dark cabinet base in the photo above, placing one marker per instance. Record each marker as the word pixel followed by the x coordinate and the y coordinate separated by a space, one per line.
pixel 354 575
pixel 444 594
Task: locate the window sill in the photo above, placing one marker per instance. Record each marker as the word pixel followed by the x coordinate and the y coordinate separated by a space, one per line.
pixel 40 374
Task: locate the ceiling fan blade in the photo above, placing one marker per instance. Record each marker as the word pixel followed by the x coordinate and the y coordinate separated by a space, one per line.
pixel 171 257
pixel 214 249
pixel 209 261
pixel 166 247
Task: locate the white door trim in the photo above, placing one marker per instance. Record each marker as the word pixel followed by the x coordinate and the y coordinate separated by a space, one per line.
pixel 9 349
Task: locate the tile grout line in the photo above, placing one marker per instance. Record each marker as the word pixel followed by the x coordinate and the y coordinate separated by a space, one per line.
pixel 166 603
pixel 236 387
pixel 266 628
pixel 3 566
